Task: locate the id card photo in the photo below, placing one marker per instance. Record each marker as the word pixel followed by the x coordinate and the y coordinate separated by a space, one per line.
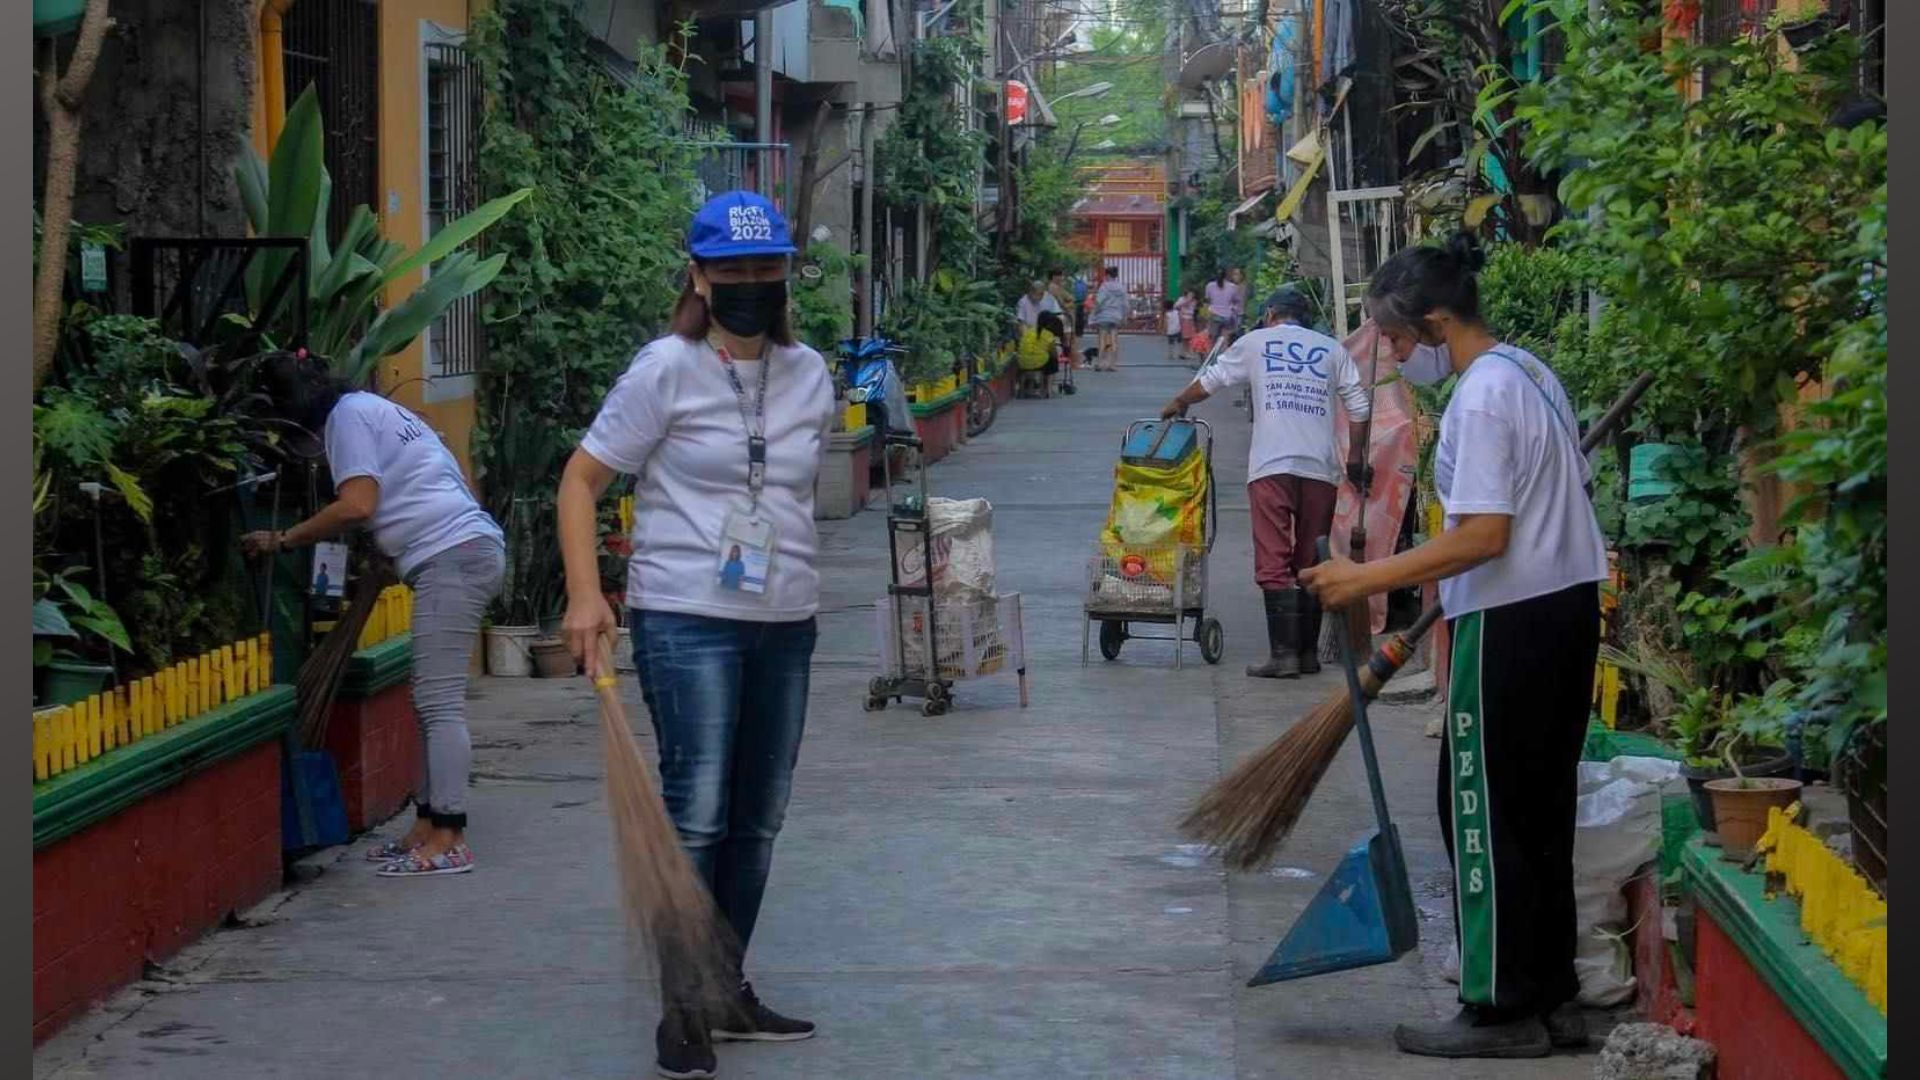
pixel 745 555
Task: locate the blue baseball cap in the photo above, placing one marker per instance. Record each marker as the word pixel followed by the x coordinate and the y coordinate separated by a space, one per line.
pixel 737 225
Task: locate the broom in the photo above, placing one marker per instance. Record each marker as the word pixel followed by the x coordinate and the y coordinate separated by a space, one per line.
pixel 668 908
pixel 1249 813
pixel 320 676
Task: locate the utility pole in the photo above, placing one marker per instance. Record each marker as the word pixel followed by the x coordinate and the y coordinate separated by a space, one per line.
pixel 1003 203
pixel 763 98
pixel 869 248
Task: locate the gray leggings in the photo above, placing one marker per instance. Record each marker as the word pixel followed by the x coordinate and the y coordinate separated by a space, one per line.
pixel 451 592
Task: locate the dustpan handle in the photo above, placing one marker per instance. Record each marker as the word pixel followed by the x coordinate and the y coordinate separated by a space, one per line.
pixel 1358 697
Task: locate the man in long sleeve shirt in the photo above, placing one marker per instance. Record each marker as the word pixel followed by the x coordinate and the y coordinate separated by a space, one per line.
pixel 1294 464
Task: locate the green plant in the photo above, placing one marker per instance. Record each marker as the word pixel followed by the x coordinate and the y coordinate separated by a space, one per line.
pixel 1823 592
pixel 930 157
pixel 348 276
pixel 595 256
pixel 64 610
pixel 942 322
pixel 823 297
pixel 1701 526
pixel 1526 293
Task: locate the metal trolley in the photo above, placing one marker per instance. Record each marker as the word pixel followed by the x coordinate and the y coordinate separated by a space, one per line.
pixel 1159 585
pixel 921 656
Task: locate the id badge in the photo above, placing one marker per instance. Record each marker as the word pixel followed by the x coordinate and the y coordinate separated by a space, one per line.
pixel 329 570
pixel 746 553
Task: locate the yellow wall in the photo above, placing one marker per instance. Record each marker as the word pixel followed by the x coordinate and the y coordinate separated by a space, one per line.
pixel 402 217
pixel 401 207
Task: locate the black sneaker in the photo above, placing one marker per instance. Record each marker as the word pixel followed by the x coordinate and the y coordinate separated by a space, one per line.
pixel 683 1054
pixel 755 1022
pixel 1471 1034
pixel 1566 1027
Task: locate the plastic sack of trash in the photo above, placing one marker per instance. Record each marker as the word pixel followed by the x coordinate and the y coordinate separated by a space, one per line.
pixel 1157 507
pixel 961 534
pixel 1616 833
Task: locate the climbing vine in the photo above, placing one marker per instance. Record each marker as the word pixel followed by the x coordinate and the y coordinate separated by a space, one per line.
pixel 594 255
pixel 932 158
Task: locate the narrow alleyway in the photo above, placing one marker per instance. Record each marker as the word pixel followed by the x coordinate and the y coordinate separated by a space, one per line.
pixel 993 893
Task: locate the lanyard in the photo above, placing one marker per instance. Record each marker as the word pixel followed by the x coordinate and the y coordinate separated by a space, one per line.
pixel 754 420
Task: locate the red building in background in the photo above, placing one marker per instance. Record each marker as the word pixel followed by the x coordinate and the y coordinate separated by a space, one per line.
pixel 1121 222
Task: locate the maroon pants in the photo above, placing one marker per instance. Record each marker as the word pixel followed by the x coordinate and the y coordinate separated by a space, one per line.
pixel 1290 515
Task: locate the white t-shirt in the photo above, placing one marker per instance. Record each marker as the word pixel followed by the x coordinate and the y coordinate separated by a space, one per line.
pixel 1172 322
pixel 425 504
pixel 1292 371
pixel 1029 309
pixel 1509 444
pixel 673 420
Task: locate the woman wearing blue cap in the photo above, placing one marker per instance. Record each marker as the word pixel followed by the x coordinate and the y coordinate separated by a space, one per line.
pixel 724 421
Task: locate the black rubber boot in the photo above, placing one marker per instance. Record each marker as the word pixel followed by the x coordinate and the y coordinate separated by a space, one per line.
pixel 1310 619
pixel 1473 1033
pixel 1283 641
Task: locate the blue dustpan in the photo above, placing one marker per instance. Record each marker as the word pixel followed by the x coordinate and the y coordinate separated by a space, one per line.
pixel 1364 914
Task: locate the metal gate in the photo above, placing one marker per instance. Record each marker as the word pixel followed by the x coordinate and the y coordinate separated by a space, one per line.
pixel 1145 279
pixel 453 118
pixel 334 46
pixel 744 166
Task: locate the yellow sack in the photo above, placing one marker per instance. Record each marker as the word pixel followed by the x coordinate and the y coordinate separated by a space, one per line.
pixel 1157 507
pixel 1036 348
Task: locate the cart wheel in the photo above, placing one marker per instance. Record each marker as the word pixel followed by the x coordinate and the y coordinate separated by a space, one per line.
pixel 1213 641
pixel 934 707
pixel 1112 636
pixel 879 690
pixel 875 704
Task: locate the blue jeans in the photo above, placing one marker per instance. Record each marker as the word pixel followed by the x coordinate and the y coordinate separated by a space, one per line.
pixel 728 701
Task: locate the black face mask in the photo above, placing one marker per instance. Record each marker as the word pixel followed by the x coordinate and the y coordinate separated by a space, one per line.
pixel 748 308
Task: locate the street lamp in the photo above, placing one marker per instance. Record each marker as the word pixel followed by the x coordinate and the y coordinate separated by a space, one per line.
pixel 1090 90
pixel 1073 142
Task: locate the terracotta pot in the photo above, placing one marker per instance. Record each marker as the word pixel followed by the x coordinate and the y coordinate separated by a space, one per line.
pixel 1740 810
pixel 551 660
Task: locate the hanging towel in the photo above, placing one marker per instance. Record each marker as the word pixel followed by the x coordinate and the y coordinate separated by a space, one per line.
pixel 1280 67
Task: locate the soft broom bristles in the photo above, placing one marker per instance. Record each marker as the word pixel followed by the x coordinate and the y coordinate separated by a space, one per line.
pixel 672 917
pixel 1250 812
pixel 1253 809
pixel 319 678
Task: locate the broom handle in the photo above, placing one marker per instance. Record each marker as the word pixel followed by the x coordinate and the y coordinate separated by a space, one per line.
pixel 1359 696
pixel 1389 657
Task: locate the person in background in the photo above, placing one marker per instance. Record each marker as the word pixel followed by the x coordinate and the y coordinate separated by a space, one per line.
pixel 1188 307
pixel 1039 356
pixel 1109 312
pixel 1081 298
pixel 1220 303
pixel 1293 464
pixel 1036 300
pixel 1064 302
pixel 724 421
pixel 1170 324
pixel 1519 564
pixel 393 475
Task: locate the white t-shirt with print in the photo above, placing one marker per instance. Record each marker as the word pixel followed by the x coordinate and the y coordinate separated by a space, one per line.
pixel 1029 310
pixel 425 505
pixel 673 421
pixel 1293 371
pixel 1509 445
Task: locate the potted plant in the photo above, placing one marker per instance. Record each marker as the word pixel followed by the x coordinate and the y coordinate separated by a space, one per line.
pixel 1741 803
pixel 1712 729
pixel 64 611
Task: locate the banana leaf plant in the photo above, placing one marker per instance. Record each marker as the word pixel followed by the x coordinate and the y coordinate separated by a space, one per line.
pixel 289 196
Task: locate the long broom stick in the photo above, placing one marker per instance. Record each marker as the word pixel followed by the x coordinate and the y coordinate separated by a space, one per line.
pixel 1250 812
pixel 668 908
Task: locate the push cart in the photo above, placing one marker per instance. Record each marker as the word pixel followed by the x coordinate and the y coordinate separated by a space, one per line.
pixel 928 642
pixel 1130 585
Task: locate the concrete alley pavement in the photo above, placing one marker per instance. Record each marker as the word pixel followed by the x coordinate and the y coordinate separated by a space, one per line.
pixel 996 892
